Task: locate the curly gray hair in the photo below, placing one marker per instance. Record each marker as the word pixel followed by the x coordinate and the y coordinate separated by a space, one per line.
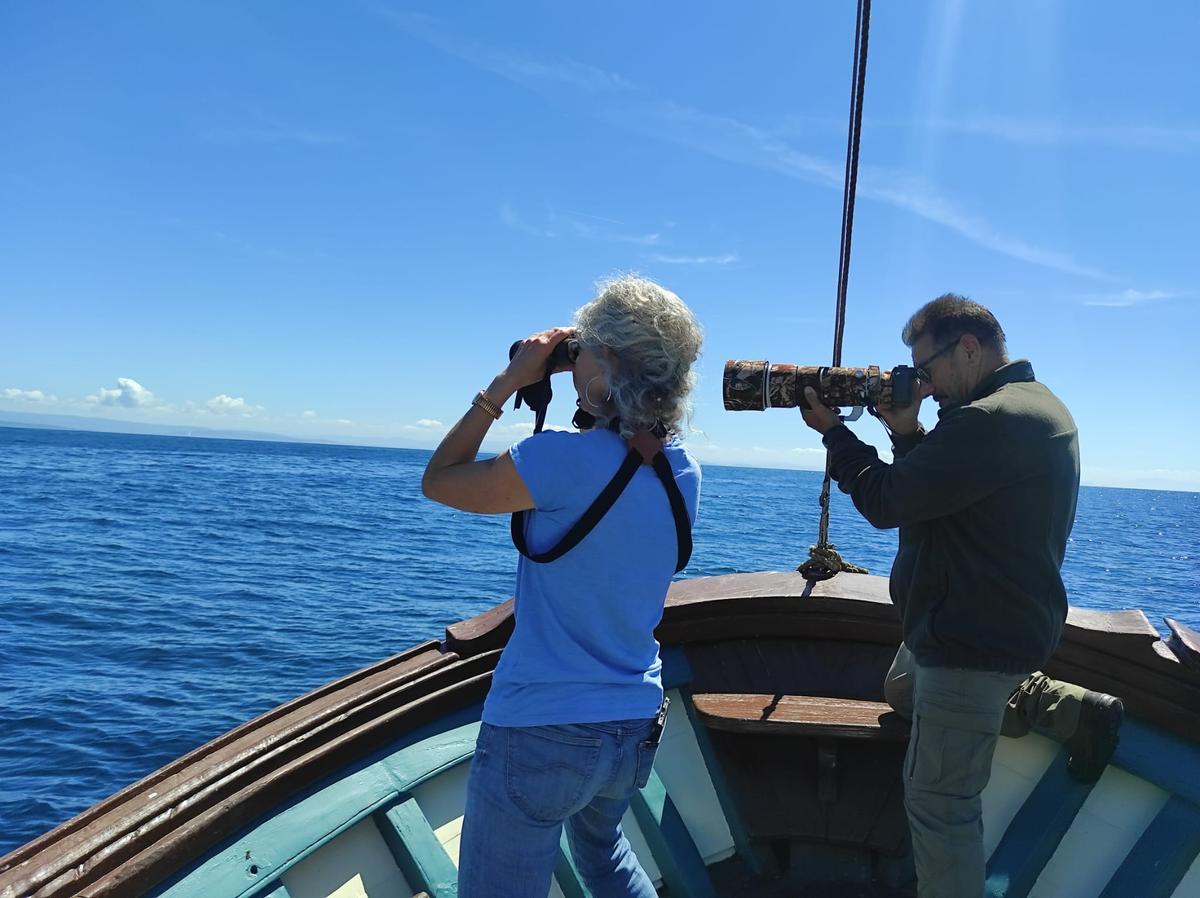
pixel 655 339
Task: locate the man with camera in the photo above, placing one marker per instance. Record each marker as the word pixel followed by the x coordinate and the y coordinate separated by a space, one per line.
pixel 985 502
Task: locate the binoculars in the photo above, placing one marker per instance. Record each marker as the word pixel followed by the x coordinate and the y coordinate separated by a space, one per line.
pixel 751 385
pixel 565 352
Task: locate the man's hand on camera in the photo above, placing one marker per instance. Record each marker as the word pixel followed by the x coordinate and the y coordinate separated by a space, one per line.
pixel 817 416
pixel 528 366
pixel 902 421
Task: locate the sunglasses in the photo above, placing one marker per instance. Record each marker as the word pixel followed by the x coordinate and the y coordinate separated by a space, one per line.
pixel 922 369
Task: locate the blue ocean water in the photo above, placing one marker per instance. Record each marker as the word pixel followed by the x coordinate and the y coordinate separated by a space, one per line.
pixel 158 591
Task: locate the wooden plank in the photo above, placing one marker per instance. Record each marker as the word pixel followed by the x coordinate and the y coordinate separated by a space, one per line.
pixel 1113 632
pixel 1164 678
pixel 871 591
pixel 1162 856
pixel 670 842
pixel 1184 644
pixel 416 849
pixel 1034 834
pixel 801 715
pixel 484 632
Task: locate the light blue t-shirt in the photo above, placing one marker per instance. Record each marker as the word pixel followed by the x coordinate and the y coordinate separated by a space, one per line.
pixel 584 649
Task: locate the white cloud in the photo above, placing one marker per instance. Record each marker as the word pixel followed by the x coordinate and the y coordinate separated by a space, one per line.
pixel 223 404
pixel 429 422
pixel 28 395
pixel 128 394
pixel 1131 298
pixel 309 413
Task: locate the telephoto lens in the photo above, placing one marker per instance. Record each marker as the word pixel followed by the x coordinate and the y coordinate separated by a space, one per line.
pixel 751 385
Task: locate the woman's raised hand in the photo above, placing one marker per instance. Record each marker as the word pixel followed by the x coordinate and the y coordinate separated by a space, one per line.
pixel 528 366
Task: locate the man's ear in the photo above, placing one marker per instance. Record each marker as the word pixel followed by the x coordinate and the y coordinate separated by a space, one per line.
pixel 971 344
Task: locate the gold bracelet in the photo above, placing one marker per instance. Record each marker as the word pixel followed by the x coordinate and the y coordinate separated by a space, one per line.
pixel 481 401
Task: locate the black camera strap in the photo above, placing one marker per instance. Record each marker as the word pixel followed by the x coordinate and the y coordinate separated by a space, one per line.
pixel 641 451
pixel 537 396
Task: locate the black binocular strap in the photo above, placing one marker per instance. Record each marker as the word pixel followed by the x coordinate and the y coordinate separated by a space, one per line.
pixel 599 508
pixel 683 524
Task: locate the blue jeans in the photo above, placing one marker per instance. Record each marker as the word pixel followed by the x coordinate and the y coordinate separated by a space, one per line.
pixel 526 783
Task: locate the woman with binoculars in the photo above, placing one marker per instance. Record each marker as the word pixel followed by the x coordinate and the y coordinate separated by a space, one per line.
pixel 575 712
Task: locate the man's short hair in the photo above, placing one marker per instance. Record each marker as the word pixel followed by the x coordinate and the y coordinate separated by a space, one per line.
pixel 949 317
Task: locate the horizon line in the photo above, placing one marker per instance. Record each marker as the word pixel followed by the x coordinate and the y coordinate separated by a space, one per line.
pixel 253 437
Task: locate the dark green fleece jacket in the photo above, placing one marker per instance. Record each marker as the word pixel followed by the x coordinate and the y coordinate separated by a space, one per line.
pixel 985 503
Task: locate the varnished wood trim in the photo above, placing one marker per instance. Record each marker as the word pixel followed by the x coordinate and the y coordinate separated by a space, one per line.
pixel 800 715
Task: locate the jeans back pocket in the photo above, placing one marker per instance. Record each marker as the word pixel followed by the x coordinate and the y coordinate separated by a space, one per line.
pixel 548 769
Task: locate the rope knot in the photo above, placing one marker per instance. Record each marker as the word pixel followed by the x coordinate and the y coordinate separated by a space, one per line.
pixel 824 561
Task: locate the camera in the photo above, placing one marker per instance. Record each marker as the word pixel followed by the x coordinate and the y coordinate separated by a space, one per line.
pixel 751 385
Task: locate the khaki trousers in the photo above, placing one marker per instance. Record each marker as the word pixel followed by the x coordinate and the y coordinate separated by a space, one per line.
pixel 957 715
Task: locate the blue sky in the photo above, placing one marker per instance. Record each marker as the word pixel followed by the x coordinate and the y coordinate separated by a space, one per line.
pixel 330 220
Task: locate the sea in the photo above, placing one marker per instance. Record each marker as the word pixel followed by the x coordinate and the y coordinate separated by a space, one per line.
pixel 157 591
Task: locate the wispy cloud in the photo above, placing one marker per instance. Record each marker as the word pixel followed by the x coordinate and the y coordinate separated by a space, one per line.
pixel 517 223
pixel 735 141
pixel 1012 129
pixel 1132 298
pixel 1053 132
pixel 27 395
pixel 725 259
pixel 555 224
pixel 927 202
pixel 623 104
pixel 528 72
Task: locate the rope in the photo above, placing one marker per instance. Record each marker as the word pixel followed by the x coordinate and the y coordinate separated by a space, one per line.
pixel 824 560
